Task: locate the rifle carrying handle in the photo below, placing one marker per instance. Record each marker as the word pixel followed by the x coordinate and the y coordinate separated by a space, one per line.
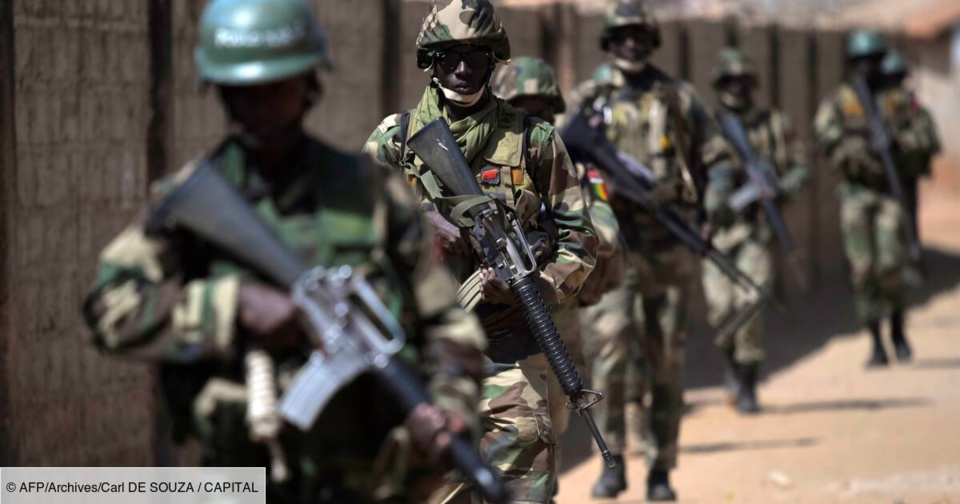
pixel 409 392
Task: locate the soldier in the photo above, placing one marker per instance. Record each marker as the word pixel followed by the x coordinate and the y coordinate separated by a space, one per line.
pixel 902 107
pixel 165 296
pixel 746 238
pixel 660 121
pixel 875 226
pixel 530 84
pixel 521 160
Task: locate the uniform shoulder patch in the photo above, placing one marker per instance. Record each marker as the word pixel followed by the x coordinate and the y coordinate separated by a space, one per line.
pixel 391 121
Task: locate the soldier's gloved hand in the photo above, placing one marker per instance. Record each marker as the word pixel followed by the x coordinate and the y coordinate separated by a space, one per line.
pixel 493 289
pixel 449 235
pixel 269 316
pixel 432 430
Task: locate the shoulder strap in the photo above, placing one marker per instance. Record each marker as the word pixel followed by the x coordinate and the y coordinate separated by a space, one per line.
pixel 404 122
pixel 525 145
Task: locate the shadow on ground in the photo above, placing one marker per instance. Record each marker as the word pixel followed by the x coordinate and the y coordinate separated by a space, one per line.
pixel 810 321
pixel 748 445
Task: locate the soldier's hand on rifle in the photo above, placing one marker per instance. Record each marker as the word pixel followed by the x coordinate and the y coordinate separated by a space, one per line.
pixel 448 234
pixel 432 430
pixel 269 316
pixel 493 289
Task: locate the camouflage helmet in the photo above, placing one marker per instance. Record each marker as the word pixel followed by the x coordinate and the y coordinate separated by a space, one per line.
pixel 246 42
pixel 454 22
pixel 894 65
pixel 733 63
pixel 862 43
pixel 630 13
pixel 526 76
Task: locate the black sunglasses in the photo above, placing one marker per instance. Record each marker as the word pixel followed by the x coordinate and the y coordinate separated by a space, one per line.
pixel 473 58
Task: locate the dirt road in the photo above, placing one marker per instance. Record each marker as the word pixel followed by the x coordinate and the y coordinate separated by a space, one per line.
pixel 831 431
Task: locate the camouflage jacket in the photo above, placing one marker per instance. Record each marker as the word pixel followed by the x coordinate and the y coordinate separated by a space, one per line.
pixel 523 161
pixel 772 139
pixel 608 273
pixel 843 133
pixel 165 296
pixel 663 124
pixel 918 141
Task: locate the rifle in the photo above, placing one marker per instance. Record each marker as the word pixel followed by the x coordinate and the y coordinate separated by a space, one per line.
pixel 636 182
pixel 764 188
pixel 343 314
pixel 880 140
pixel 509 254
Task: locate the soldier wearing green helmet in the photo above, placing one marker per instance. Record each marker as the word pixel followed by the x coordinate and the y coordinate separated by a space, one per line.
pixel 746 237
pixel 901 106
pixel 875 225
pixel 523 162
pixel 213 325
pixel 660 121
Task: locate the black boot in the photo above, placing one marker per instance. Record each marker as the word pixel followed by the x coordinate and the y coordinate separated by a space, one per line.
pixel 900 345
pixel 747 398
pixel 658 486
pixel 879 357
pixel 612 481
pixel 731 375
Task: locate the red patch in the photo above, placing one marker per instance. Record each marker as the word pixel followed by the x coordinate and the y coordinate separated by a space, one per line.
pixel 490 176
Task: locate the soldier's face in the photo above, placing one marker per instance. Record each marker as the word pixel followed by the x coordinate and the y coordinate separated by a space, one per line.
pixel 463 69
pixel 735 92
pixel 631 43
pixel 536 106
pixel 267 109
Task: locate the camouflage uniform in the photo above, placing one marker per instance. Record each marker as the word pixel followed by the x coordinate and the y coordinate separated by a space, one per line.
pixel 661 122
pixel 746 238
pixel 905 112
pixel 533 77
pixel 166 296
pixel 874 224
pixel 524 163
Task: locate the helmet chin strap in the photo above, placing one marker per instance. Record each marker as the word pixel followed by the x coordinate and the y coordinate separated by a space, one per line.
pixel 630 66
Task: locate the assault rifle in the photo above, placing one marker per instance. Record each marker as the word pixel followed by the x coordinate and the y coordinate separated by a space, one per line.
pixel 345 319
pixel 635 182
pixel 504 248
pixel 881 143
pixel 763 188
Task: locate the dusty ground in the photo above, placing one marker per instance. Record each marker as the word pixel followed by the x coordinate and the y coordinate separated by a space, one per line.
pixel 831 431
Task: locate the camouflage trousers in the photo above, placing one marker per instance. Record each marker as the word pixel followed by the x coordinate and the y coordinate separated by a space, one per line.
pixel 518 436
pixel 725 298
pixel 650 308
pixel 876 243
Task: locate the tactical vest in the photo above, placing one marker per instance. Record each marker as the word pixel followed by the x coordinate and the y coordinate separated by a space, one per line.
pixel 857 124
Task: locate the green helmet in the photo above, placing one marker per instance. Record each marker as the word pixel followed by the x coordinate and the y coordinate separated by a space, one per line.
pixel 630 13
pixel 454 22
pixel 733 63
pixel 863 43
pixel 894 65
pixel 526 76
pixel 246 42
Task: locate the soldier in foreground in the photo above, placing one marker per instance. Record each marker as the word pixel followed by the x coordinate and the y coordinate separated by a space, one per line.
pixel 906 112
pixel 662 123
pixel 530 85
pixel 164 295
pixel 521 161
pixel 746 237
pixel 878 239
